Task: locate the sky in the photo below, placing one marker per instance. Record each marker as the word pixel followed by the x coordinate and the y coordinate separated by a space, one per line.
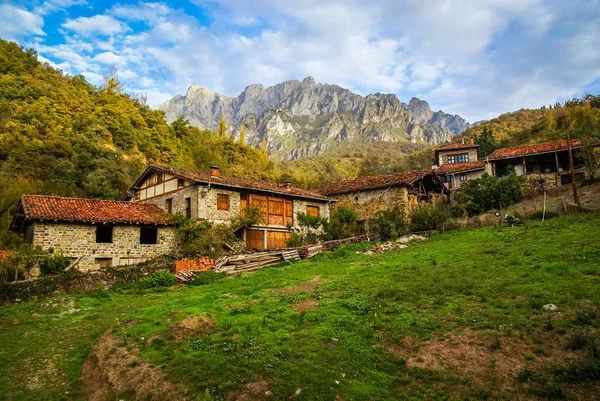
pixel 476 58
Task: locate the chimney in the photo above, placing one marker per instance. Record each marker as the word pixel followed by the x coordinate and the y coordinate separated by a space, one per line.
pixel 287 185
pixel 214 171
pixel 472 141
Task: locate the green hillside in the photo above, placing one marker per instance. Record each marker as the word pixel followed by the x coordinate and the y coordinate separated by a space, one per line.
pixel 458 317
pixel 60 135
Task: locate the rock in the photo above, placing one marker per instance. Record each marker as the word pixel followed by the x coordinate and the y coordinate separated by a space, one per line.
pixel 301 119
pixel 551 307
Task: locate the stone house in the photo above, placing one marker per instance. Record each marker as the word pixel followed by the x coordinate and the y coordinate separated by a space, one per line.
pixel 458 163
pixel 95 233
pixel 369 195
pixel 544 164
pixel 210 195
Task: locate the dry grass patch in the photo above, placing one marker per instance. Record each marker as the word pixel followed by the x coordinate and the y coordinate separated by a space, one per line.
pixel 257 391
pixel 305 305
pixel 192 326
pixel 112 369
pixel 304 286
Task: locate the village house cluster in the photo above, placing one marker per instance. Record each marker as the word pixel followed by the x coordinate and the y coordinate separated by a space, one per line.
pixel 103 233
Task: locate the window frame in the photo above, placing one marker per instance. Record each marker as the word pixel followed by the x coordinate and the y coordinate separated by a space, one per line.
pixel 219 203
pixel 463 176
pixel 313 207
pixel 153 235
pixel 458 158
pixel 188 208
pixel 180 183
pixel 101 237
pixel 169 205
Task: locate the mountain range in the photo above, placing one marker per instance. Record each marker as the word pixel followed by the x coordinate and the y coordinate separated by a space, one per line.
pixel 297 119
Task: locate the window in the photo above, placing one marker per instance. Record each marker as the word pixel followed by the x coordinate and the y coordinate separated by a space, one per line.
pixel 312 210
pixel 180 183
pixel 136 196
pixel 447 178
pixel 463 178
pixel 160 178
pixel 103 262
pixel 104 234
pixel 188 208
pixel 462 158
pixel 148 235
pixel 356 198
pixel 169 205
pixel 222 202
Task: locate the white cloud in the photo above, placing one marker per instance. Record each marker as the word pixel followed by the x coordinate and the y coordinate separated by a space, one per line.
pixel 97 25
pixel 477 59
pixel 49 6
pixel 17 23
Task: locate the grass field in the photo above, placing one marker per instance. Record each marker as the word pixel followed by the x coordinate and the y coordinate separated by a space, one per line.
pixel 457 317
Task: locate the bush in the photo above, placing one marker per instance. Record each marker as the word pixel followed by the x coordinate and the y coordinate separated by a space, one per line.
pixel 390 223
pixel 429 216
pixel 309 228
pixel 486 193
pixel 585 316
pixel 207 277
pixel 537 215
pixel 54 264
pixel 158 279
pixel 579 338
pixel 342 224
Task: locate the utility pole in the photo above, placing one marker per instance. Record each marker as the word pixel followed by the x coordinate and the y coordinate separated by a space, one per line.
pixel 571 164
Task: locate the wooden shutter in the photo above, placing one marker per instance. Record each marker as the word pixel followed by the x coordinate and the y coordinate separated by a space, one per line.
pixel 222 202
pixel 255 239
pixel 277 239
pixel 288 212
pixel 312 210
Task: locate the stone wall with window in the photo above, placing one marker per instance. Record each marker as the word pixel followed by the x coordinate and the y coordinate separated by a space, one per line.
pixel 301 205
pixel 125 248
pixel 209 205
pixel 462 156
pixel 179 201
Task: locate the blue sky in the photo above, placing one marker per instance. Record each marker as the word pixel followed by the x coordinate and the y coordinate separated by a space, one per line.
pixel 476 58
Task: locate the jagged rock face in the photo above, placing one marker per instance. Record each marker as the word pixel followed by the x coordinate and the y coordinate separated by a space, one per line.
pixel 301 119
pixel 420 110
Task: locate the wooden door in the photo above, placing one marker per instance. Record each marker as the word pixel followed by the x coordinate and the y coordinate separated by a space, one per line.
pixel 277 239
pixel 255 239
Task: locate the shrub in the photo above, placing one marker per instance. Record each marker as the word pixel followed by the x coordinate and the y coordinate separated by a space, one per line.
pixel 579 338
pixel 158 279
pixel 585 316
pixel 537 215
pixel 429 216
pixel 390 223
pixel 207 277
pixel 342 224
pixel 485 193
pixel 54 264
pixel 309 228
pixel 525 374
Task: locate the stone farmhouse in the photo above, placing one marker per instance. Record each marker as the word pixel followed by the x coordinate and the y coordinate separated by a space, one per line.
pixel 95 233
pixel 544 164
pixel 458 163
pixel 368 195
pixel 210 195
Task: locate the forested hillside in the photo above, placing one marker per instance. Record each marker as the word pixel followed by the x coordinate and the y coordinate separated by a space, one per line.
pixel 540 125
pixel 60 135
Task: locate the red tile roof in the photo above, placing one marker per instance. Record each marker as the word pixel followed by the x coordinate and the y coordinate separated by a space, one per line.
pixel 518 151
pixel 40 207
pixel 228 181
pixel 460 167
pixel 374 182
pixel 458 146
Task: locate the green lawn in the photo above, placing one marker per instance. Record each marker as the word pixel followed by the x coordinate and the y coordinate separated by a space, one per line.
pixel 456 317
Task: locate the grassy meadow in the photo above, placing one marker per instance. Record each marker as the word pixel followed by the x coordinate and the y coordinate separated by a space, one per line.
pixel 457 317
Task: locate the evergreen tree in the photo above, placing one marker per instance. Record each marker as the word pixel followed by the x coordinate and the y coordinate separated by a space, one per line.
pixel 242 140
pixel 486 142
pixel 222 128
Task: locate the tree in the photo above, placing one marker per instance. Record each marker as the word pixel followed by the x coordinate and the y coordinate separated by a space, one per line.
pixel 486 142
pixel 263 147
pixel 429 216
pixel 486 193
pixel 222 128
pixel 590 155
pixel 111 83
pixel 242 140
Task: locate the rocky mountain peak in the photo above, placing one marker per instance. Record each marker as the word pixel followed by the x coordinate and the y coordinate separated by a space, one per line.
pixel 303 118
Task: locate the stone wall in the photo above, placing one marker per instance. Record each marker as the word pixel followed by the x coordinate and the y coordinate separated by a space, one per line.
pixel 299 206
pixel 443 156
pixel 471 175
pixel 178 198
pixel 77 240
pixel 77 282
pixel 208 208
pixel 368 203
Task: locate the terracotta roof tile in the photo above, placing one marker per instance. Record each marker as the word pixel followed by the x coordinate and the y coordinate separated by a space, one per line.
pixel 374 182
pixel 41 207
pixel 458 146
pixel 460 167
pixel 518 151
pixel 273 187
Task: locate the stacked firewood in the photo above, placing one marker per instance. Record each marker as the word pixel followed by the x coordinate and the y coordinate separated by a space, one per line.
pixel 250 262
